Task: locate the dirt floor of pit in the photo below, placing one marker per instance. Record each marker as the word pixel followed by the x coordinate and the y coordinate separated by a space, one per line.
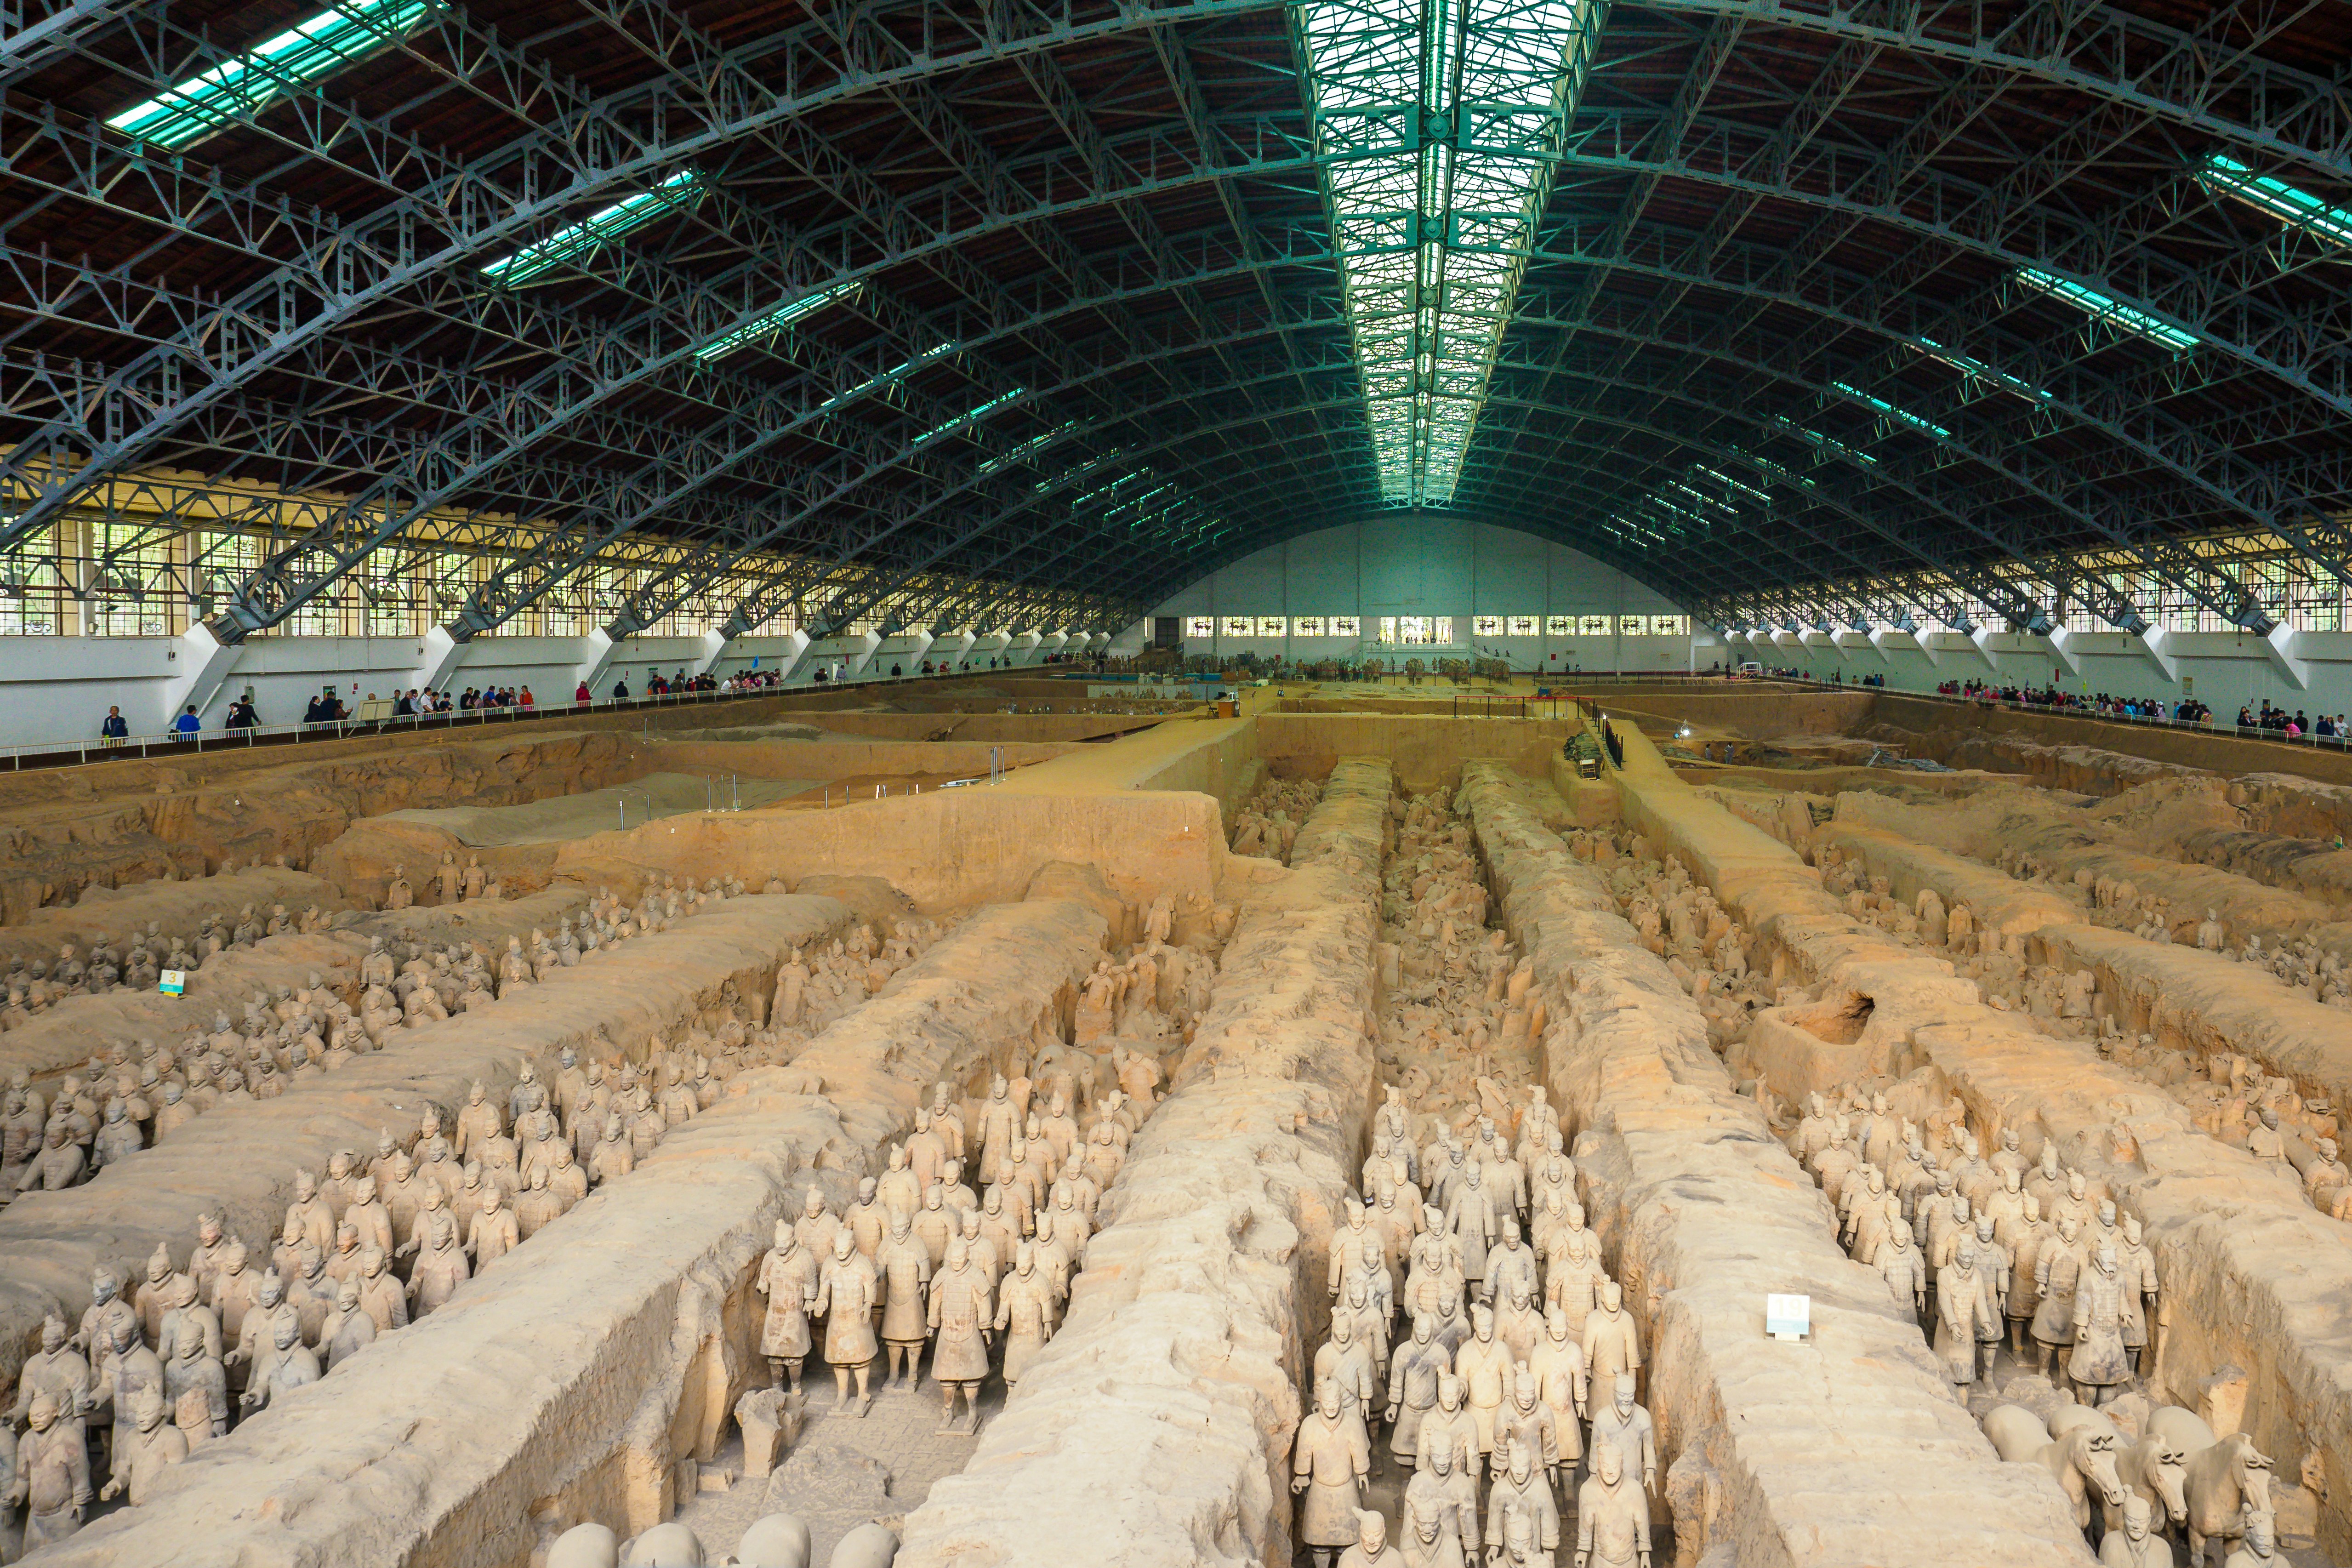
pixel 568 817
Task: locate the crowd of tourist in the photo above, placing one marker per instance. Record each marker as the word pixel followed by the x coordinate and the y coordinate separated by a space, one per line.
pixel 2188 710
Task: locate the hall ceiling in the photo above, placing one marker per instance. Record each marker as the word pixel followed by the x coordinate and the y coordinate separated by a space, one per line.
pixel 1034 314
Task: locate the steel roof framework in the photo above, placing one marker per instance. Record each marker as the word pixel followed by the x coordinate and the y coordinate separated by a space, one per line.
pixel 1062 250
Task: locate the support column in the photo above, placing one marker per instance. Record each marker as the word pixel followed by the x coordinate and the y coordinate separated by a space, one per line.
pixel 599 649
pixel 708 651
pixel 202 665
pixel 859 652
pixel 441 654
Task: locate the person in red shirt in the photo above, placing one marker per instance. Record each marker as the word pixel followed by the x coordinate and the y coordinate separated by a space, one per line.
pixel 581 695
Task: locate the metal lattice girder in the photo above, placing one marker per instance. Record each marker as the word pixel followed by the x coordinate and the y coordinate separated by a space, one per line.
pixel 2125 412
pixel 530 416
pixel 1961 512
pixel 2011 224
pixel 2063 487
pixel 1898 521
pixel 1165 433
pixel 569 156
pixel 1539 471
pixel 828 488
pixel 2166 73
pixel 1247 539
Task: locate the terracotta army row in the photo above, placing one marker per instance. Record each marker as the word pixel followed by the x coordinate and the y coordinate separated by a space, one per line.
pixel 32 987
pixel 365 1249
pixel 1983 1246
pixel 1268 823
pixel 1494 1403
pixel 919 1258
pixel 812 994
pixel 1518 1370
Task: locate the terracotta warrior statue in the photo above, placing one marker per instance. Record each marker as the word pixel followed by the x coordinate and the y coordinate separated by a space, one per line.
pixel 961 1318
pixel 846 1295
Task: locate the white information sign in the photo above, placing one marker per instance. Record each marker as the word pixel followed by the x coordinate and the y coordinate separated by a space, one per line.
pixel 1788 1317
pixel 172 982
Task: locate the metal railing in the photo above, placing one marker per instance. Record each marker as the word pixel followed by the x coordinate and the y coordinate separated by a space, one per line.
pixel 2209 725
pixel 98 748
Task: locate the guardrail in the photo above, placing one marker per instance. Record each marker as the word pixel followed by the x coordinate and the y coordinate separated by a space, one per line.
pixel 73 753
pixel 2207 726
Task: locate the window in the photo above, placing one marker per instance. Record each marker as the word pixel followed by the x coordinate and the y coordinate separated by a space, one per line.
pixel 1670 626
pixel 1593 626
pixel 1270 626
pixel 1346 626
pixel 1632 626
pixel 1307 627
pixel 1522 626
pixel 1417 631
pixel 1559 625
pixel 129 581
pixel 1485 626
pixel 1238 625
pixel 1200 625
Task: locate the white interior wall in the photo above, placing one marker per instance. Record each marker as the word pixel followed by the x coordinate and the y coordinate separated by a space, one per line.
pixel 1422 565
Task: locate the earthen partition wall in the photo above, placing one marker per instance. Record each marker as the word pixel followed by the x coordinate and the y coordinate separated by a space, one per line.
pixel 1781 1452
pixel 1152 1430
pixel 2258 1278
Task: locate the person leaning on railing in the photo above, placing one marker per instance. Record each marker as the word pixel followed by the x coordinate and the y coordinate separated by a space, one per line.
pixel 114 728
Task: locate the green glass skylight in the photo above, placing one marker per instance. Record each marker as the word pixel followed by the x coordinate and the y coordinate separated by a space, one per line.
pixel 1720 476
pixel 775 321
pixel 1766 466
pixel 2122 317
pixel 2295 208
pixel 1823 444
pixel 1028 447
pixel 1438 120
pixel 1891 411
pixel 599 229
pixel 241 88
pixel 973 416
pixel 1714 502
pixel 1977 370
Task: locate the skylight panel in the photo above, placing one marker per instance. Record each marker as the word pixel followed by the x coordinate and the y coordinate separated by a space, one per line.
pixel 1891 411
pixel 239 88
pixel 1716 503
pixel 1438 120
pixel 1977 370
pixel 2098 306
pixel 1027 448
pixel 775 321
pixel 1720 476
pixel 1766 466
pixel 2295 208
pixel 968 418
pixel 1823 444
pixel 599 229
